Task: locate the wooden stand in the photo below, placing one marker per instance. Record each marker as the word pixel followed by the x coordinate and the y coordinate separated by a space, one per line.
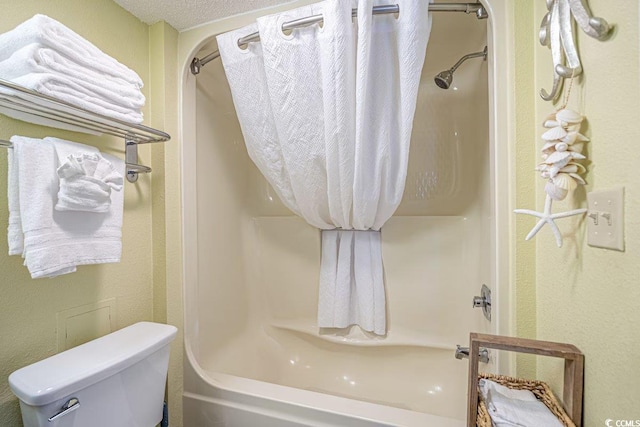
pixel 573 369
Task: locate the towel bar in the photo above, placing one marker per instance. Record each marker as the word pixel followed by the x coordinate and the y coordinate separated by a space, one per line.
pixel 23 100
pixel 131 168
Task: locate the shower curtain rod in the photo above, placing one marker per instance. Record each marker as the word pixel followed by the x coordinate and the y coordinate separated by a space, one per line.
pixel 467 8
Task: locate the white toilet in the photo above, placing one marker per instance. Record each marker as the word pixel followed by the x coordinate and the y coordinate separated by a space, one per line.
pixel 114 381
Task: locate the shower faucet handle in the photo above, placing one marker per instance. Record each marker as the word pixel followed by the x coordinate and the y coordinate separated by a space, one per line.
pixel 484 301
pixel 479 302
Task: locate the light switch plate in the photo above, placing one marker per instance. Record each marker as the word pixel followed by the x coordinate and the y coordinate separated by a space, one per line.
pixel 605 219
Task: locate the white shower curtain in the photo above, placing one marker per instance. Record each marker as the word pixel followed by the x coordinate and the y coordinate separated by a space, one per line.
pixel 326 113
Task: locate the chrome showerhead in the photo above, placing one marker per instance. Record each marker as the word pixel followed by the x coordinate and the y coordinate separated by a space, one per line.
pixel 445 78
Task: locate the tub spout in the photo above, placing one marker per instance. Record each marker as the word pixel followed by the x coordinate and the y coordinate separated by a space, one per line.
pixel 463 353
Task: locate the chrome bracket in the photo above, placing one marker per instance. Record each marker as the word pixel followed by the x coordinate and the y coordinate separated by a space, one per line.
pixel 481 13
pixel 131 160
pixel 195 66
pixel 484 302
pixel 69 406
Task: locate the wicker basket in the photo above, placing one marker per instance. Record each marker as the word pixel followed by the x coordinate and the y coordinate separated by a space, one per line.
pixel 538 388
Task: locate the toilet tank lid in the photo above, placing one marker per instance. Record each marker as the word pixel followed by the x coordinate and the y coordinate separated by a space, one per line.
pixel 70 371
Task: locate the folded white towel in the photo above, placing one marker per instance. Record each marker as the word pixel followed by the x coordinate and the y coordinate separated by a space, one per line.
pixel 51 33
pixel 34 58
pixel 64 89
pixel 86 181
pixel 55 242
pixel 486 386
pixel 515 408
pixel 507 412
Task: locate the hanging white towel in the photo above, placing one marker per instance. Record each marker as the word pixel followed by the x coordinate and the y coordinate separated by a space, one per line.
pixel 15 237
pixel 34 58
pixel 48 32
pixel 56 242
pixel 337 105
pixel 33 160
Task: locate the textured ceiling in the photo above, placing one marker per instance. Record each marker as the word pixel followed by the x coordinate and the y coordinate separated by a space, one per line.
pixel 184 14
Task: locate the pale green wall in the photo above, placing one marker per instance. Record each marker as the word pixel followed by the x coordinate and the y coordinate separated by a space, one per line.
pixel 525 273
pixel 584 295
pixel 28 307
pixel 167 255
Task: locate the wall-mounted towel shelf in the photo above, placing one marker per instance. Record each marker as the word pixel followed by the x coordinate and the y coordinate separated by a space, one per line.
pixel 54 112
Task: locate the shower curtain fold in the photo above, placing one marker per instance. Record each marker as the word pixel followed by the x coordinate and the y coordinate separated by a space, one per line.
pixel 326 113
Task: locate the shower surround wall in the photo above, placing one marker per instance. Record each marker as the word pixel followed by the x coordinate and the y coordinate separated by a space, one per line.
pixel 254 352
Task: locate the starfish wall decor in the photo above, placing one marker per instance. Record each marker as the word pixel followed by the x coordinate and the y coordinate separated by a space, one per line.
pixel 546 217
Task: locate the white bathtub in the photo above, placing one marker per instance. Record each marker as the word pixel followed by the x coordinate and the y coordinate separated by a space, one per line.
pixel 254 354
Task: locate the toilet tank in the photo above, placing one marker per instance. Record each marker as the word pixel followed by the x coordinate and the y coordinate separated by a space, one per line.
pixel 115 380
